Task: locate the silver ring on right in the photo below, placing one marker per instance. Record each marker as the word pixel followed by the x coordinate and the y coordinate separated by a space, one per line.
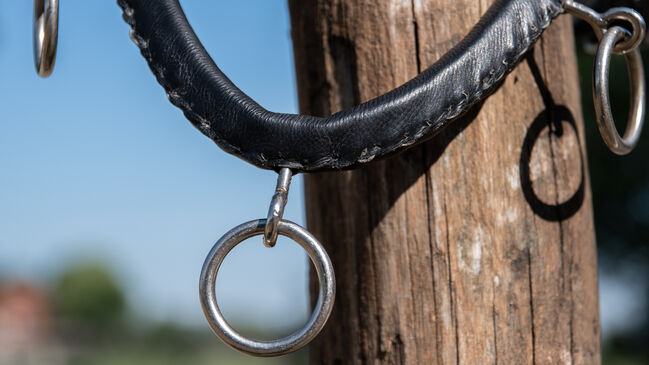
pixel 605 123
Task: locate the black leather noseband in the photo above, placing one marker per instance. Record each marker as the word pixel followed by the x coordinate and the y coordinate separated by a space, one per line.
pixel 402 117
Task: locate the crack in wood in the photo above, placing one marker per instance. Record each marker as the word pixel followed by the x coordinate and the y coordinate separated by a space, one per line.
pixel 375 44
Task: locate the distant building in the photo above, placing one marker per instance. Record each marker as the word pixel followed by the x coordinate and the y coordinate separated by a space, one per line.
pixel 25 319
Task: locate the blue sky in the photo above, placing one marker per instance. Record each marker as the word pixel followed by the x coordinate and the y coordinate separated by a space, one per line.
pixel 95 163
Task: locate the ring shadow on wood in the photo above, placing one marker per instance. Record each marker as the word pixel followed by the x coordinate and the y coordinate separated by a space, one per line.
pixel 378 222
pixel 553 117
pixel 381 184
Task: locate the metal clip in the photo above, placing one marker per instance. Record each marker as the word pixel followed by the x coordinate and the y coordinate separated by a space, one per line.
pixel 602 22
pixel 277 204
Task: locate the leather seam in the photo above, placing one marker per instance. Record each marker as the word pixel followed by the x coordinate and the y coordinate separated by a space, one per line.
pixel 430 128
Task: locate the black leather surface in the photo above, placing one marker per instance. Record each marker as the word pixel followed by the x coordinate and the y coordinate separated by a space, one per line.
pixel 400 118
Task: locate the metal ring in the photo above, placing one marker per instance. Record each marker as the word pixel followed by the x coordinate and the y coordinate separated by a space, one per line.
pixel 601 22
pixel 287 344
pixel 46 31
pixel 634 36
pixel 605 123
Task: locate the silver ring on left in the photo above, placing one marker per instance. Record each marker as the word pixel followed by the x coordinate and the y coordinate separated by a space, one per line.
pixel 46 32
pixel 293 342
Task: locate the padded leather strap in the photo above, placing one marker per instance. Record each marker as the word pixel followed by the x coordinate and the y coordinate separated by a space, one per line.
pixel 389 123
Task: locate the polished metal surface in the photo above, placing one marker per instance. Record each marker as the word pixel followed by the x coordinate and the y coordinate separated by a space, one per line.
pixel 601 22
pixel 293 342
pixel 605 123
pixel 590 16
pixel 277 204
pixel 615 39
pixel 46 30
pixel 628 43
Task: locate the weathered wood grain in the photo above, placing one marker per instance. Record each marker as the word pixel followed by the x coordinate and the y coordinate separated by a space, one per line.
pixel 476 247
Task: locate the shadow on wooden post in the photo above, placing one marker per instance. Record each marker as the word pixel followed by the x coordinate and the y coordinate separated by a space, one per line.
pixel 461 249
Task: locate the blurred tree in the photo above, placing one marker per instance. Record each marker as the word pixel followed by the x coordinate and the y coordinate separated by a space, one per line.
pixel 88 294
pixel 620 185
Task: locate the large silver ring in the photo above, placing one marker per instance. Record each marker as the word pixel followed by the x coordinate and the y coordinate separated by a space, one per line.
pixel 46 31
pixel 605 123
pixel 287 344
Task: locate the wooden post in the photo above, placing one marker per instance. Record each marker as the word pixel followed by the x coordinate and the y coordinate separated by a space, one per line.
pixel 476 247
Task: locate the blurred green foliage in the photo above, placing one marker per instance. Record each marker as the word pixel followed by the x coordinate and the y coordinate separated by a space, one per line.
pixel 169 344
pixel 620 187
pixel 90 308
pixel 620 184
pixel 88 294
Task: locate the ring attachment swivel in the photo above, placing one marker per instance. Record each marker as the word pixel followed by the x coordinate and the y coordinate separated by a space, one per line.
pixel 277 204
pixel 614 39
